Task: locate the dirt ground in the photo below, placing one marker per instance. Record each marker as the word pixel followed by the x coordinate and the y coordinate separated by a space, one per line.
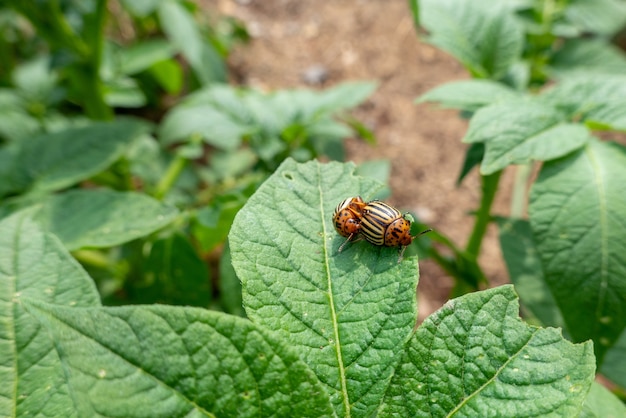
pixel 376 40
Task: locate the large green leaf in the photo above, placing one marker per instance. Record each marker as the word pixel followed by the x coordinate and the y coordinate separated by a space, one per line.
pixel 217 113
pixel 524 266
pixel 603 17
pixel 614 366
pixel 223 116
pixel 469 95
pixel 58 160
pixel 476 358
pixel 348 314
pixel 601 403
pixel 161 361
pixel 88 361
pixel 578 95
pixel 520 131
pixel 484 36
pixel 102 217
pixel 587 56
pixel 577 212
pixel 34 264
pixel 224 98
pixel 598 101
pixel 215 127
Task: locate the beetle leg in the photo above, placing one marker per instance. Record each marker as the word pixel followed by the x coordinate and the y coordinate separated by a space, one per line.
pixel 400 253
pixel 348 240
pixel 401 250
pixel 344 243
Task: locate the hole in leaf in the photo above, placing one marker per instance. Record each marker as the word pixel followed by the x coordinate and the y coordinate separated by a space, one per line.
pixel 288 175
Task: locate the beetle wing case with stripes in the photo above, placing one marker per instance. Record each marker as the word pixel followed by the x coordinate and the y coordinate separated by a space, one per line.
pixel 377 222
pixel 384 225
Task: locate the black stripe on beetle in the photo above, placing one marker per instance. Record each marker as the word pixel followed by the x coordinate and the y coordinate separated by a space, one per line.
pixel 379 223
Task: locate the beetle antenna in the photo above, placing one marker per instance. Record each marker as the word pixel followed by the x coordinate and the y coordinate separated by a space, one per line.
pixel 423 232
pixel 401 252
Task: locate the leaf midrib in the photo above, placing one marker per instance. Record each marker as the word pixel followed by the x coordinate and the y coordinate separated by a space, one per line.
pixel 340 365
pixel 138 368
pixel 600 187
pixel 494 377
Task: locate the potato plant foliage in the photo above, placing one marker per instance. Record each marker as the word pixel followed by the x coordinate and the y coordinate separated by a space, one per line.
pixel 329 334
pixel 187 265
pixel 567 258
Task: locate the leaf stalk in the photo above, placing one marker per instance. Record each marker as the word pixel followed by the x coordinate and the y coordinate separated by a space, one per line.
pixel 489 186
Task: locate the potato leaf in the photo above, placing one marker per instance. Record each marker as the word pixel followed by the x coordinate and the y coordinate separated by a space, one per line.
pixel 347 314
pixel 476 358
pixel 575 208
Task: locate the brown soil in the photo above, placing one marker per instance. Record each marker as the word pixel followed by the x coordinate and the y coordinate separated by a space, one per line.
pixel 376 40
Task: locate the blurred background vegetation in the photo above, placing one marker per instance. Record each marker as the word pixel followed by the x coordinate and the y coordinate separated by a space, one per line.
pixel 136 105
pixel 129 104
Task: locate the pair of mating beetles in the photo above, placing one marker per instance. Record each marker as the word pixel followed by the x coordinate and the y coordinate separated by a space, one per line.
pixel 376 221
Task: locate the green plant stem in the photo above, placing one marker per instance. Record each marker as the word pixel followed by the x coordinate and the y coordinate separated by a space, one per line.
pixel 169 178
pixel 483 215
pixel 174 169
pixel 92 258
pixel 93 90
pixel 550 11
pixel 50 24
pixel 95 104
pixel 462 268
pixel 444 262
pixel 518 199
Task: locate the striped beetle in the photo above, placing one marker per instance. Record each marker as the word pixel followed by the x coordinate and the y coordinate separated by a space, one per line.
pixel 347 218
pixel 384 225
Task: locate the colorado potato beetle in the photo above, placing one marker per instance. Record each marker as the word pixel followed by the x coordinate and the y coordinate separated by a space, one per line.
pixel 347 218
pixel 384 225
